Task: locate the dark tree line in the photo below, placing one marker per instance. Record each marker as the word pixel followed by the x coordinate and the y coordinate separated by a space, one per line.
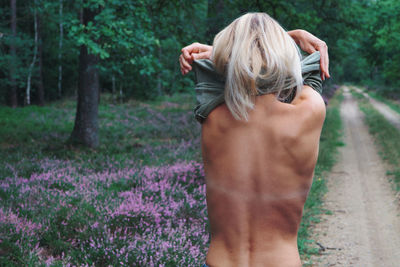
pixel 54 49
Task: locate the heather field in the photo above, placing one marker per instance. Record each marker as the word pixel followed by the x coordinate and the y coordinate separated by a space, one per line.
pixel 137 200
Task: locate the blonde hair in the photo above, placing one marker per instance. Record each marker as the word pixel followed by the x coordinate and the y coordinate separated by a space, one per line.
pixel 256 56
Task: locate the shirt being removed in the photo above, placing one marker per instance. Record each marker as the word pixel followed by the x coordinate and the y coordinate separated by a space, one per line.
pixel 210 84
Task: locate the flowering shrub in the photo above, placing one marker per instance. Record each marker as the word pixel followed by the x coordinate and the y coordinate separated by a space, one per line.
pixel 139 200
pixel 147 216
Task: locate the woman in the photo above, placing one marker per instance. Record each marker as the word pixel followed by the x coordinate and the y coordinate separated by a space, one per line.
pixel 260 135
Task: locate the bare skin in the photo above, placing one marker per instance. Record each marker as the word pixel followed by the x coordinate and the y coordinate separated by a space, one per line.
pixel 258 174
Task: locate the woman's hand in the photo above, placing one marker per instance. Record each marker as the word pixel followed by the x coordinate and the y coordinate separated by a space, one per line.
pixel 191 53
pixel 309 43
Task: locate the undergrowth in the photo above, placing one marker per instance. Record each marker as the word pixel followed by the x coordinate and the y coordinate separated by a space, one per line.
pixel 137 200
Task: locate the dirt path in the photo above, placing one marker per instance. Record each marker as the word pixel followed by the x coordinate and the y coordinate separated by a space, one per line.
pixel 364 229
pixel 392 116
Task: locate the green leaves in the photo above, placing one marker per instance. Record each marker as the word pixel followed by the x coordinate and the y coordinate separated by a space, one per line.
pixel 139 41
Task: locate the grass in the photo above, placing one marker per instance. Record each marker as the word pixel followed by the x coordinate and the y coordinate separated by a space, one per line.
pixel 146 131
pixel 137 200
pixel 385 135
pixel 62 204
pixel 329 142
pixel 393 104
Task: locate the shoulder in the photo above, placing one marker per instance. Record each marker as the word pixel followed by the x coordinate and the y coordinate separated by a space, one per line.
pixel 310 105
pixel 310 100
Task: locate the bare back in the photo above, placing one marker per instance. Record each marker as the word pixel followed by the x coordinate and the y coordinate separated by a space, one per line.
pixel 258 174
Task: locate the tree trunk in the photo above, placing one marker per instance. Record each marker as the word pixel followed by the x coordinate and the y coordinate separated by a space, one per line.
pixel 113 88
pixel 121 94
pixel 215 11
pixel 60 46
pixel 159 84
pixel 40 57
pixel 86 121
pixel 28 83
pixel 13 102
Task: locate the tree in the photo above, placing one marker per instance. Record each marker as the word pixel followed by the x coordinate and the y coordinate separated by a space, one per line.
pixel 60 47
pixel 13 88
pixel 116 35
pixel 40 58
pixel 138 42
pixel 86 121
pixel 28 83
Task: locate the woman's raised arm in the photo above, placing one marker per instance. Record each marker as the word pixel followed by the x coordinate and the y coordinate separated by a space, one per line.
pixel 307 42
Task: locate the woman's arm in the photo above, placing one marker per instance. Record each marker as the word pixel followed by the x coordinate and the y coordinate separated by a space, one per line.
pixel 307 42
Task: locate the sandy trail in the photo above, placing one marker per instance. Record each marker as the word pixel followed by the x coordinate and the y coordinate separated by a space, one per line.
pixel 392 116
pixel 364 229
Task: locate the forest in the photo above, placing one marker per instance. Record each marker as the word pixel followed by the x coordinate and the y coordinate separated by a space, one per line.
pixel 97 131
pixel 131 47
pixel 135 44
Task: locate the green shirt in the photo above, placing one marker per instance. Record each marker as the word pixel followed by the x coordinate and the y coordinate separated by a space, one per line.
pixel 210 85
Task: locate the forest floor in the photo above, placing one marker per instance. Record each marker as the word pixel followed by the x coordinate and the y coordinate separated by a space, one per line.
pixel 363 228
pixel 136 200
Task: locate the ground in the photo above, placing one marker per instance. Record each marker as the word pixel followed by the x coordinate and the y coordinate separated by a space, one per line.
pixel 364 227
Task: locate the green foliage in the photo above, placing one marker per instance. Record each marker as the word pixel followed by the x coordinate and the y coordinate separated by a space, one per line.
pixel 139 41
pixel 24 50
pixel 386 34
